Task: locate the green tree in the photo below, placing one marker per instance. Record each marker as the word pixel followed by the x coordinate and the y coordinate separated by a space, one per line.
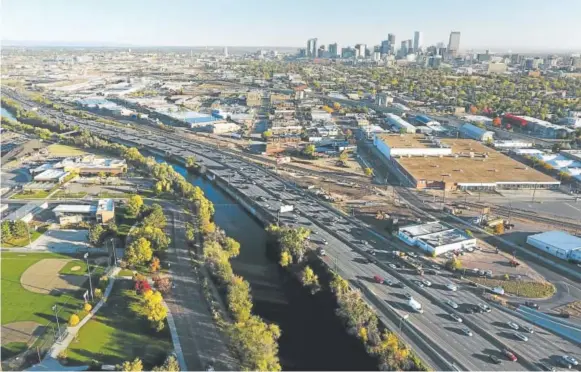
pixel 6 231
pixel 343 156
pixel 96 234
pixel 309 150
pixel 19 229
pixel 191 162
pixel 134 205
pixel 155 218
pixel 267 134
pixel 232 247
pixel 239 300
pixel 135 366
pixel 139 252
pixel 368 172
pixel 454 264
pixel 102 176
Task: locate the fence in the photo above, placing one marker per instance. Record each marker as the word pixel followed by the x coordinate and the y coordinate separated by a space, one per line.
pixel 38 347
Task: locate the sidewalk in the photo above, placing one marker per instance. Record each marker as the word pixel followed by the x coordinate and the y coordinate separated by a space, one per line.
pixel 50 361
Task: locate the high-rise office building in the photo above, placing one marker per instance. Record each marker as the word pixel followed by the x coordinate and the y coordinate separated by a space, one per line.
pixel 410 46
pixel 361 50
pixel 225 51
pixel 418 41
pixel 333 49
pixel 391 39
pixel 312 48
pixel 384 49
pixel 454 43
pixel 403 50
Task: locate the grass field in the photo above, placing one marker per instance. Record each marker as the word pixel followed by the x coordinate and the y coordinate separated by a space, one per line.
pixel 40 194
pixel 116 334
pixel 18 304
pixel 124 222
pixel 64 150
pixel 125 272
pixel 95 269
pixel 13 348
pixel 23 242
pixel 520 288
pixel 64 194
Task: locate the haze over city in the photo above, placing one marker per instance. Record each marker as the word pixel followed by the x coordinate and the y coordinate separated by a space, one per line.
pixel 498 25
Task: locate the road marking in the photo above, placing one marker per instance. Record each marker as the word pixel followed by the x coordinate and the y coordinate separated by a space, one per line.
pixel 577 209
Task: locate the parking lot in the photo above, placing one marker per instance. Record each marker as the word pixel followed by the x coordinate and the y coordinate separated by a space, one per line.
pixel 62 241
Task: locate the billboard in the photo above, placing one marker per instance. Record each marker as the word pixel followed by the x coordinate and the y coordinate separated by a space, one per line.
pixel 283 160
pixel 286 208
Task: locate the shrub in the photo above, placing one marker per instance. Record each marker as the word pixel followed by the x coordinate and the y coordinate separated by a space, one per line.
pixel 74 320
pixel 98 294
pixel 87 307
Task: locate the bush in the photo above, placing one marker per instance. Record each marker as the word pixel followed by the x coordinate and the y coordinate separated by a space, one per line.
pixel 74 320
pixel 87 307
pixel 98 294
pixel 63 354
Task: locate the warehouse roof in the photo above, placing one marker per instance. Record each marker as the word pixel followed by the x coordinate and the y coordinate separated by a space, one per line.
pixel 559 239
pixel 50 174
pixel 75 208
pixel 424 229
pixel 25 210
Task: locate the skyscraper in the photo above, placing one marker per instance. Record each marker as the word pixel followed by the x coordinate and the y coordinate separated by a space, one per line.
pixel 333 49
pixel 418 41
pixel 312 48
pixel 361 48
pixel 454 43
pixel 385 47
pixel 225 51
pixel 410 46
pixel 391 39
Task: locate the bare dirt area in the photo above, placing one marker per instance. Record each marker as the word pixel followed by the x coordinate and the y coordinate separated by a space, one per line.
pixel 25 332
pixel 43 277
pixel 572 308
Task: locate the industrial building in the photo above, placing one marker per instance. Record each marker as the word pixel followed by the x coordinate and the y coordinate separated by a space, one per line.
pixel 558 243
pixel 91 165
pixel 449 163
pixel 425 120
pixel 102 212
pixel 476 133
pixel 435 238
pixel 540 127
pixel 398 123
pixel 51 175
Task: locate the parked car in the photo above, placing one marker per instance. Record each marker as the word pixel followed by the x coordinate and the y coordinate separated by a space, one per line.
pixel 467 331
pixel 378 279
pixel 570 360
pixel 452 304
pixel 509 355
pixel 513 325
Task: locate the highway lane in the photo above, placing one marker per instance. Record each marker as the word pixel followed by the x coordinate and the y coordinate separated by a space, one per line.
pixel 266 184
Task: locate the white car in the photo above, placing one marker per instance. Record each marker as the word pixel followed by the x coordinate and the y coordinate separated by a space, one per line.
pixel 569 359
pixel 528 329
pixel 392 266
pixel 467 331
pixel 452 287
pixel 427 283
pixel 520 336
pixel 389 282
pixel 452 304
pixel 455 317
pixel 513 325
pixel 485 308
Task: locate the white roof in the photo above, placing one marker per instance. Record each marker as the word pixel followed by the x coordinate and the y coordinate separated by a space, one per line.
pixel 559 239
pixel 75 208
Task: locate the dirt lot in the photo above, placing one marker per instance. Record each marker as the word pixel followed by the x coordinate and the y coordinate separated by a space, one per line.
pixel 25 332
pixel 43 277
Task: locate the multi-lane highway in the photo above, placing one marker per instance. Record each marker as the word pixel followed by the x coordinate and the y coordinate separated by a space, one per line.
pixel 346 251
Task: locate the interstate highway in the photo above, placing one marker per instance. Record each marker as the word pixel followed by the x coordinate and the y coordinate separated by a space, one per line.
pixel 349 262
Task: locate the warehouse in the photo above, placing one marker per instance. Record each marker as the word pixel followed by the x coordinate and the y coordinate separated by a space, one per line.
pixel 476 133
pixel 399 124
pixel 103 211
pixel 51 175
pixel 449 163
pixel 557 243
pixel 90 164
pixel 26 212
pixel 425 120
pixel 435 238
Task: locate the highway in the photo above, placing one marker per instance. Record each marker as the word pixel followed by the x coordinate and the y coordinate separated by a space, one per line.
pixel 344 250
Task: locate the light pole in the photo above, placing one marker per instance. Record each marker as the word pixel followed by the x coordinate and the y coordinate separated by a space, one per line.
pixel 86 256
pixel 57 322
pixel 29 239
pixel 403 318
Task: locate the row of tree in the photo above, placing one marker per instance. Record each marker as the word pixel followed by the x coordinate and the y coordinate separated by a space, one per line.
pixel 14 230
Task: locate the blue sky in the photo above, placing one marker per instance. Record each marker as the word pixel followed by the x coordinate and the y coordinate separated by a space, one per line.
pixel 495 24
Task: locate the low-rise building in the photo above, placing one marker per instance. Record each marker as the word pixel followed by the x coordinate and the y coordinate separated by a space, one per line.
pixel 91 165
pixel 557 243
pixel 26 212
pixel 398 123
pixel 103 212
pixel 51 175
pixel 435 238
pixel 472 131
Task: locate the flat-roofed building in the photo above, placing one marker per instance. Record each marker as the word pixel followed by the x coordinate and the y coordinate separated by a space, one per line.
pixel 102 211
pixel 436 238
pixel 51 175
pixel 398 123
pixel 558 243
pixel 26 212
pixel 105 210
pixel 91 165
pixel 449 163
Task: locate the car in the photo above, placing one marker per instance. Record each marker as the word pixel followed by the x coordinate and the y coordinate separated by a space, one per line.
pixel 452 304
pixel 324 241
pixel 420 284
pixel 452 287
pixel 477 310
pixel 570 360
pixel 371 251
pixel 466 331
pixel 370 260
pixel 378 279
pixel 532 305
pixel 520 336
pixel 407 295
pixel 494 359
pixel 427 283
pixel 513 325
pixel 412 254
pixel 564 363
pixel 392 266
pixel 364 242
pixel 398 266
pixel 528 329
pixel 437 267
pixel 389 282
pixel 484 308
pixel 510 356
pixel 455 317
pixel 322 252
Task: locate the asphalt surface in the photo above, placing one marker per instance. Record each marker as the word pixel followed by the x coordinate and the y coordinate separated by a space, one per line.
pixel 344 249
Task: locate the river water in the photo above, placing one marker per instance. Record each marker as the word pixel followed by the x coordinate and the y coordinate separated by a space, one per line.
pixel 6 113
pixel 312 338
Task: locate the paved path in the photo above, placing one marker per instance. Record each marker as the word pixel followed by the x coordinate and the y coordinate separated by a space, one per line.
pixel 201 341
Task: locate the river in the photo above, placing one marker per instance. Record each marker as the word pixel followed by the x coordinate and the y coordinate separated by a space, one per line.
pixel 312 338
pixel 6 113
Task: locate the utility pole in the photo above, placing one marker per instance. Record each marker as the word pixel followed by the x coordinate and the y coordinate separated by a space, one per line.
pixel 89 273
pixel 54 308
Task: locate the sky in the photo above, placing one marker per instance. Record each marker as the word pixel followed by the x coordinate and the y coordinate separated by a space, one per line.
pixel 499 25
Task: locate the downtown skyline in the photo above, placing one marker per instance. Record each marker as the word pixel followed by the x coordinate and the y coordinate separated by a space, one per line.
pixel 255 23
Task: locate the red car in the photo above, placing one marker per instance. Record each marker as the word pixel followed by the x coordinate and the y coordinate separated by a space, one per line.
pixel 509 355
pixel 378 279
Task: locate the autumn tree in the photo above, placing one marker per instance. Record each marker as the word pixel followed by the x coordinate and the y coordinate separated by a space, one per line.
pixel 162 283
pixel 232 247
pixel 267 134
pixel 309 150
pixel 343 156
pixel 239 300
pixel 19 229
pixel 171 364
pixel 285 258
pixel 310 279
pixel 191 162
pixel 153 309
pixel 6 231
pixel 154 265
pixel 139 252
pixel 132 366
pixel 454 264
pixel 499 229
pixel 74 320
pixel 258 344
pixel 134 205
pixel 368 172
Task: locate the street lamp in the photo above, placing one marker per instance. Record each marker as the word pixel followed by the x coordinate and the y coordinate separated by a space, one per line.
pixel 57 321
pixel 86 256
